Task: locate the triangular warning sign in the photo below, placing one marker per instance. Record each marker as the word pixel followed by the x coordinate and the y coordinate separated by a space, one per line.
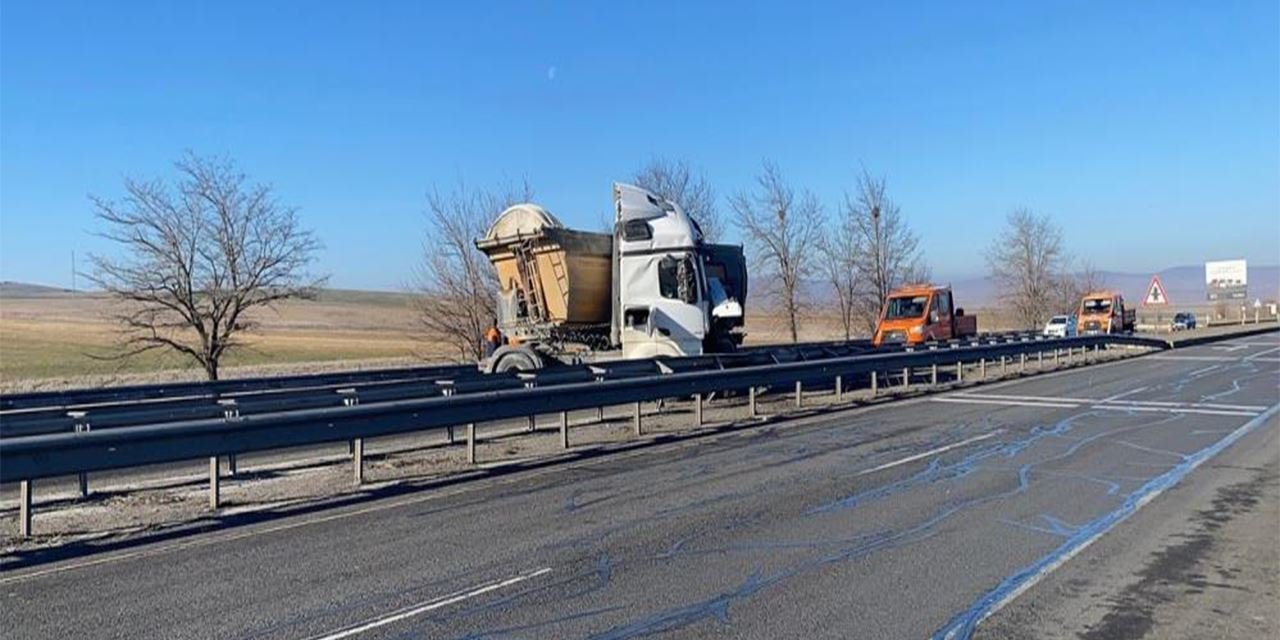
pixel 1155 293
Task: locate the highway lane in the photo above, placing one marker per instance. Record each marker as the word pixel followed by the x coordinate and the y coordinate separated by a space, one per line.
pixel 896 521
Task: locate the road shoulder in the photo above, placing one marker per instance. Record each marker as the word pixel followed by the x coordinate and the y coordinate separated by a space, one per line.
pixel 1200 561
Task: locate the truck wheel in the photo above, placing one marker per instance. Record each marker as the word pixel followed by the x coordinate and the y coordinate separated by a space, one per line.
pixel 516 360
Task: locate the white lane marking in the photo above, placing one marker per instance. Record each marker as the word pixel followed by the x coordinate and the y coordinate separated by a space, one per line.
pixel 926 454
pixel 1259 354
pixel 1195 358
pixel 445 601
pixel 1231 347
pixel 1011 403
pixel 1204 370
pixel 1154 403
pixel 1123 394
pixel 1207 412
pixel 1142 501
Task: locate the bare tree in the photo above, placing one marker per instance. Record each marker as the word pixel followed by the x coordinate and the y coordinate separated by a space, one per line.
pixel 197 258
pixel 676 182
pixel 458 285
pixel 841 249
pixel 1026 262
pixel 889 252
pixel 781 229
pixel 1073 285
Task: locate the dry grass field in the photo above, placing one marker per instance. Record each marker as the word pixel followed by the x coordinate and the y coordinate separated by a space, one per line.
pixel 62 336
pixel 49 339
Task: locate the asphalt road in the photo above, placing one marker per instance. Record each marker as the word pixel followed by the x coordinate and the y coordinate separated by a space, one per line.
pixel 902 521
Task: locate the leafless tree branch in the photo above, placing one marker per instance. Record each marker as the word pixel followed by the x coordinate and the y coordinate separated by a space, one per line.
pixel 676 182
pixel 781 229
pixel 197 258
pixel 1027 261
pixel 457 284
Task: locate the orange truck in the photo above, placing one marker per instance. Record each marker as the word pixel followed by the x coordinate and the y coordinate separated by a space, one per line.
pixel 1105 312
pixel 920 313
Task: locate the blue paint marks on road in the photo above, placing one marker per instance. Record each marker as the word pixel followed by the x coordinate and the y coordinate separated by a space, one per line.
pixel 963 624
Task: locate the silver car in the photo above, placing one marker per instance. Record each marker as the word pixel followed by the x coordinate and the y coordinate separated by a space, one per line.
pixel 1061 327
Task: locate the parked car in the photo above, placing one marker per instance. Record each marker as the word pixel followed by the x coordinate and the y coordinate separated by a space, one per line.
pixel 1061 327
pixel 1183 320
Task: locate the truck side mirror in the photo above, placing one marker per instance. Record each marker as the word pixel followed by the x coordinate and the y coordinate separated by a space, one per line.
pixel 960 311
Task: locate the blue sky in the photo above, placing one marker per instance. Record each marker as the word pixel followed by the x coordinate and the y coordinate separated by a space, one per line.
pixel 1149 131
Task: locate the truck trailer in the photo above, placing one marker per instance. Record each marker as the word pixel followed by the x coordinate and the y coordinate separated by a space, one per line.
pixel 653 287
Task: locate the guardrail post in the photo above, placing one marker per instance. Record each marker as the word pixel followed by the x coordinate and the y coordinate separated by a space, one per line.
pixel 697 410
pixel 906 377
pixel 1040 360
pixel 215 488
pixel 839 388
pixel 350 399
pixel 357 461
pixel 24 508
pixel 1057 356
pixel 982 369
pixel 447 390
pixel 873 384
pixel 1004 366
pixel 959 370
pixel 599 373
pixel 1022 364
pixel 82 426
pixel 933 374
pixel 636 420
pixel 471 443
pixel 751 402
pixel 230 412
pixel 799 395
pixel 564 429
pixel 529 384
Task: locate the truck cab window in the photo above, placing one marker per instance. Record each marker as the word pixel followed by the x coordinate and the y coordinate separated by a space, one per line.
pixel 677 279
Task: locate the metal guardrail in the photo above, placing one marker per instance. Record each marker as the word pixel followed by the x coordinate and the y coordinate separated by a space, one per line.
pixel 43 456
pixel 28 458
pixel 179 390
pixel 98 409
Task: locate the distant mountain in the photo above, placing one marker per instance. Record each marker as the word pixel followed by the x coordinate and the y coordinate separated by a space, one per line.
pixel 27 290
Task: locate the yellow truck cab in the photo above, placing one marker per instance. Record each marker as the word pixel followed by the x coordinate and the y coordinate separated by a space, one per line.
pixel 920 313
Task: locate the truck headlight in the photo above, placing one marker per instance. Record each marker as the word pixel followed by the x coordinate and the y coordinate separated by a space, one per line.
pixel 916 329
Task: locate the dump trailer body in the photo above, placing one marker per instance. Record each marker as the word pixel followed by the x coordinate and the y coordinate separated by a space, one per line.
pixel 551 280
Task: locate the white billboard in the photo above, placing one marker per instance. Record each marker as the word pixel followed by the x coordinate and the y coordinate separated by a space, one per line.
pixel 1226 279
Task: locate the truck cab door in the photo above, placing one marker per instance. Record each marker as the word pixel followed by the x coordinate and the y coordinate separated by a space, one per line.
pixel 941 326
pixel 664 306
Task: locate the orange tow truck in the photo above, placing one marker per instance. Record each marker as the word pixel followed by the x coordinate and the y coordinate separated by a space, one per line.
pixel 920 313
pixel 1105 312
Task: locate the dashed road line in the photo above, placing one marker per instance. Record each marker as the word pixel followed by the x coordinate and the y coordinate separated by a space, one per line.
pixel 419 609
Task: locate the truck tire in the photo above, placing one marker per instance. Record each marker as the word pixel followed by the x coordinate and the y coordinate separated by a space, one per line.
pixel 518 359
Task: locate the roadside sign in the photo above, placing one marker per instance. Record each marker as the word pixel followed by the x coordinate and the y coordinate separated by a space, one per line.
pixel 1156 297
pixel 1226 279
